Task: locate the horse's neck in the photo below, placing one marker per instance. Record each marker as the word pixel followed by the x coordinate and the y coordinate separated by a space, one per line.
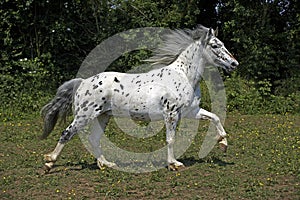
pixel 191 63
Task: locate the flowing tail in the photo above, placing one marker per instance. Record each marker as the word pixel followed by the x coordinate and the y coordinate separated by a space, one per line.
pixel 59 106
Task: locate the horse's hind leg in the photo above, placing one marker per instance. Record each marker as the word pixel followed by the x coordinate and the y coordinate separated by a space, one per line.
pixel 51 158
pixel 66 136
pixel 98 125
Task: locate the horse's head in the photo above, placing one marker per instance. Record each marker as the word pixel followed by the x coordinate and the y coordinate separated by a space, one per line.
pixel 216 53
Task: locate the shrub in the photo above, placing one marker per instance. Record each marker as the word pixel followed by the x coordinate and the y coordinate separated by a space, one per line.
pixel 26 84
pixel 250 97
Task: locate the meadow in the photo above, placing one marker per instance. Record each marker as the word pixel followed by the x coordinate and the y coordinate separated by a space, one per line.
pixel 262 162
pixel 45 43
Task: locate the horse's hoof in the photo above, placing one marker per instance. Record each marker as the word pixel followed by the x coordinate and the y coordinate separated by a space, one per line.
pixel 48 166
pixel 223 147
pixel 44 170
pixel 111 165
pixel 223 144
pixel 102 165
pixel 174 167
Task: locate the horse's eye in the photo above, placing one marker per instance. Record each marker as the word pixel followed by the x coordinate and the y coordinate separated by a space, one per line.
pixel 214 46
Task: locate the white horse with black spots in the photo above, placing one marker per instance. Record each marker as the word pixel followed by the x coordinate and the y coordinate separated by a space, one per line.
pixel 168 93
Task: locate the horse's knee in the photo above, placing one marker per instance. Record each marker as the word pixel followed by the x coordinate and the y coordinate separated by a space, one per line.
pixel 170 140
pixel 215 118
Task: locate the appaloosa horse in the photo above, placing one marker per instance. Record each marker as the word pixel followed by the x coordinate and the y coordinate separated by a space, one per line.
pixel 184 54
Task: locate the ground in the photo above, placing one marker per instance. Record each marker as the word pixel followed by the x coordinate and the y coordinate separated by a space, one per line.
pixel 262 162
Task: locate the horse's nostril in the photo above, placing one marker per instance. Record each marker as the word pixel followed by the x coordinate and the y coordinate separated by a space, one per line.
pixel 234 64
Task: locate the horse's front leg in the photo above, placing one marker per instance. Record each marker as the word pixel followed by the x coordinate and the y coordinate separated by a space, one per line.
pixel 171 121
pixel 221 137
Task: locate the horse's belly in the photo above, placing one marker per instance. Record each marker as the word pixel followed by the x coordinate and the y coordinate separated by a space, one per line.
pixel 143 104
pixel 140 115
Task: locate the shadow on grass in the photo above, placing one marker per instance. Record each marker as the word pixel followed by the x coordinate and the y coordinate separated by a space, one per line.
pixel 220 162
pixel 191 161
pixel 188 162
pixel 60 168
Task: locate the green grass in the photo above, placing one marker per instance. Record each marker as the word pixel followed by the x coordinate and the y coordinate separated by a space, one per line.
pixel 262 162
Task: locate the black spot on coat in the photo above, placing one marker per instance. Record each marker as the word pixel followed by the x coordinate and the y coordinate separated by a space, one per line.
pixel 116 80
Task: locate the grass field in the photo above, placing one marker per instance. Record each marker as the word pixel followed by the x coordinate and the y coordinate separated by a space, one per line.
pixel 262 162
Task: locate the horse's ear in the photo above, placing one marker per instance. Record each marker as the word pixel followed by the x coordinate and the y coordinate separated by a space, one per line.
pixel 216 32
pixel 211 32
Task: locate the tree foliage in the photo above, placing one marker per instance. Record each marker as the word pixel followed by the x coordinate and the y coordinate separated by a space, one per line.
pixel 54 37
pixel 265 36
